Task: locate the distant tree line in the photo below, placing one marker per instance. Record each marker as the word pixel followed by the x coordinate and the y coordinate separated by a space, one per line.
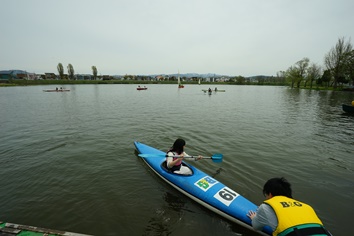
pixel 258 80
pixel 338 68
pixel 71 72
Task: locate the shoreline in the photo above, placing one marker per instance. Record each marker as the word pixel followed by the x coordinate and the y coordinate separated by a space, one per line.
pixel 13 83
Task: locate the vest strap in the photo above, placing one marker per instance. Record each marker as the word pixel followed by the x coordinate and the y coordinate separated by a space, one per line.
pixel 308 231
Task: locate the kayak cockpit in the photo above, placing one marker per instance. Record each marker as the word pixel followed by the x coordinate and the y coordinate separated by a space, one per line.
pixel 164 167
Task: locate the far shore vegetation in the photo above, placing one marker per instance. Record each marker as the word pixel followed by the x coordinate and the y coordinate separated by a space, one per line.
pixel 336 74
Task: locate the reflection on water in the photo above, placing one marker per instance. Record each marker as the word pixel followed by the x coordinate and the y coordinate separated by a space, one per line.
pixel 164 219
pixel 73 154
pixel 218 171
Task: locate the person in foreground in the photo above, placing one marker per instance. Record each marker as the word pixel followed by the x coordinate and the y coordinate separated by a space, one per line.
pixel 175 163
pixel 285 215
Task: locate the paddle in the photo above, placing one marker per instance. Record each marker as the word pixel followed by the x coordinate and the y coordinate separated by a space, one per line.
pixel 216 157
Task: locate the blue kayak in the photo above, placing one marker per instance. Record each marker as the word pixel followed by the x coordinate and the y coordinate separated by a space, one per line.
pixel 202 188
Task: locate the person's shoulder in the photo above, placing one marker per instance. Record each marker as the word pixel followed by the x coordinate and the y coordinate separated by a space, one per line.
pixel 265 208
pixel 169 153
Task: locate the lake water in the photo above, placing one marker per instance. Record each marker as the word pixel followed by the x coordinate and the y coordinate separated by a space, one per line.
pixel 68 161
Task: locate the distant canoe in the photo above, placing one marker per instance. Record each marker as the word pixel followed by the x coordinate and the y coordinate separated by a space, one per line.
pixel 59 90
pixel 141 88
pixel 218 90
pixel 348 108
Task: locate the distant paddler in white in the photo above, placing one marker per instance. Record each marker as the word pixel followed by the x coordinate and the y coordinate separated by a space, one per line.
pixel 175 156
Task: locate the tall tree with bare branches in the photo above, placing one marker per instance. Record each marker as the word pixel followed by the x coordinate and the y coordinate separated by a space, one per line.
pixel 313 73
pixel 337 58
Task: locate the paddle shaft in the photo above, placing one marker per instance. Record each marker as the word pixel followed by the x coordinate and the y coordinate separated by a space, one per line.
pixel 215 158
pixel 185 156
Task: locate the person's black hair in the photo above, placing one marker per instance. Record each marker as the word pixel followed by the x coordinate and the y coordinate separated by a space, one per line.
pixel 278 187
pixel 178 146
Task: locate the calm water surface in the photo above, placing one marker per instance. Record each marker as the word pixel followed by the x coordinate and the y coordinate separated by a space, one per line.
pixel 68 161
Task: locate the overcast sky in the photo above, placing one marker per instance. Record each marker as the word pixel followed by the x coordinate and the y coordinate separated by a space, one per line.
pixel 140 37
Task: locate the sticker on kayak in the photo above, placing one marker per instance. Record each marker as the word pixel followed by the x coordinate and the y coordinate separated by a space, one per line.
pixel 205 183
pixel 226 196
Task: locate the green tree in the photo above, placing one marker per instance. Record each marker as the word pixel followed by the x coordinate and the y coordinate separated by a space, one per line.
pixel 313 73
pixel 336 60
pixel 292 75
pixel 301 67
pixel 60 70
pixel 94 72
pixel 281 76
pixel 71 72
pixel 240 79
pixel 326 78
pixel 297 73
pixel 350 67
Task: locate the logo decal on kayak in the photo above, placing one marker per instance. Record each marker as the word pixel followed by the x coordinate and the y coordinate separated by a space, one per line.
pixel 226 195
pixel 206 183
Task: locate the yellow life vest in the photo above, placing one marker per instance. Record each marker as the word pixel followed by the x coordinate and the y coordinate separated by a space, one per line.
pixel 291 213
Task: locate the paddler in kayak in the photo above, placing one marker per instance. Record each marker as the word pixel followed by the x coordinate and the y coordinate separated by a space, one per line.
pixel 285 215
pixel 175 163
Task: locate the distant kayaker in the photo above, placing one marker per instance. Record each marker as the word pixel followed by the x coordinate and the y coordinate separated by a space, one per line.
pixel 175 163
pixel 56 88
pixel 216 89
pixel 285 215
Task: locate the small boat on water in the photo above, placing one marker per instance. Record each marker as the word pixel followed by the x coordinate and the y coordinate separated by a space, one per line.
pixel 17 229
pixel 348 108
pixel 57 90
pixel 202 188
pixel 180 85
pixel 140 88
pixel 215 90
pixel 351 89
pixel 209 91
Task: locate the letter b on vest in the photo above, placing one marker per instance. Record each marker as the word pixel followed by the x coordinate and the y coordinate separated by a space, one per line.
pixel 285 204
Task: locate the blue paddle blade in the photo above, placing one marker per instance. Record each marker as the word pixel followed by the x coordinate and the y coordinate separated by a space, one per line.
pixel 217 158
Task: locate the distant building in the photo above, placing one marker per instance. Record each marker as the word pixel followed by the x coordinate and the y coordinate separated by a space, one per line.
pixel 50 76
pixel 106 77
pixel 84 77
pixel 13 74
